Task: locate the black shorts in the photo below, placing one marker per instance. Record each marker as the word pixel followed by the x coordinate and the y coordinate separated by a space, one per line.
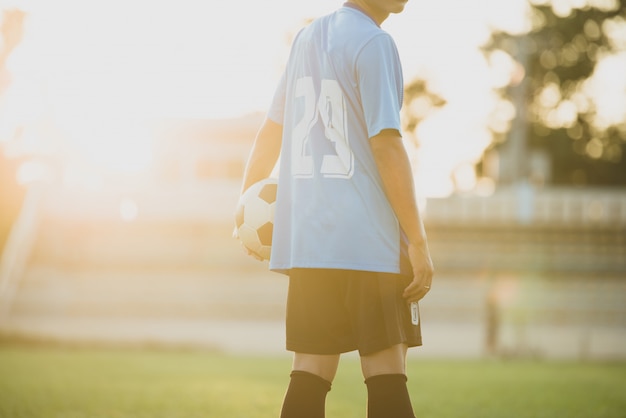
pixel 337 311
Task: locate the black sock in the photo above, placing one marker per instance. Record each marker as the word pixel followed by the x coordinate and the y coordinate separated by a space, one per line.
pixel 306 396
pixel 388 397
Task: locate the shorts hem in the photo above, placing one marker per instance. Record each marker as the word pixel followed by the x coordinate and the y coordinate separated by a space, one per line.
pixel 309 349
pixel 363 351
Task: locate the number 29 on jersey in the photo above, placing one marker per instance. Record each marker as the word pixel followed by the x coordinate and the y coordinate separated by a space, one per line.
pixel 331 108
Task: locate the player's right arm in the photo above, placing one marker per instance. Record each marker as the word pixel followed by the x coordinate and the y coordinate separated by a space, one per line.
pixel 262 159
pixel 264 153
pixel 397 177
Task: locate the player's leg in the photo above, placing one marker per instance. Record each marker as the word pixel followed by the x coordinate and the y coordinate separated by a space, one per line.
pixel 382 320
pixel 389 361
pixel 385 377
pixel 316 333
pixel 311 378
pixel 323 365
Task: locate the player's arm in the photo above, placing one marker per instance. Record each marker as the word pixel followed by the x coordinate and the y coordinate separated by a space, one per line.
pixel 262 159
pixel 264 153
pixel 395 170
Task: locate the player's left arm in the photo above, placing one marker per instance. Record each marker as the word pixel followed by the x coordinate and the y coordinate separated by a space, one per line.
pixel 397 177
pixel 264 153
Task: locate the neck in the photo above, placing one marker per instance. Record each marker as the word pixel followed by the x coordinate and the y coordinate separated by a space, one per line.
pixel 377 15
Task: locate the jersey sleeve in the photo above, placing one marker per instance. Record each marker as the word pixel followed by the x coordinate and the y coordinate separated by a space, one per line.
pixel 277 108
pixel 380 85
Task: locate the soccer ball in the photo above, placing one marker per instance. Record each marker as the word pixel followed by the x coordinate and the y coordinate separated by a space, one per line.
pixel 255 217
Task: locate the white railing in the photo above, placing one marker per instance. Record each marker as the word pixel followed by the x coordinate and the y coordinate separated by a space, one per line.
pixel 601 207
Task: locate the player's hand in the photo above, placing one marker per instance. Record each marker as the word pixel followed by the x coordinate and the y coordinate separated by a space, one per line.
pixel 423 271
pixel 252 254
pixel 247 251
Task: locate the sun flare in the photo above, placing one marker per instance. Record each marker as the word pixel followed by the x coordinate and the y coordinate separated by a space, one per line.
pixel 88 78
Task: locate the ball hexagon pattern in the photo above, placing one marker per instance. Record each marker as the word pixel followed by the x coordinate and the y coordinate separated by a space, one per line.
pixel 255 217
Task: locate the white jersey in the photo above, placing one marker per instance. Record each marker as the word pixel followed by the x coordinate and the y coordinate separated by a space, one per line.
pixel 342 85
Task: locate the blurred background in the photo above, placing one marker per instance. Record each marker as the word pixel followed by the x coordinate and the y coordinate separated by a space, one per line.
pixel 125 127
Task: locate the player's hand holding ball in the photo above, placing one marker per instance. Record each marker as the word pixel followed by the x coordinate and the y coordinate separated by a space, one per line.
pixel 254 218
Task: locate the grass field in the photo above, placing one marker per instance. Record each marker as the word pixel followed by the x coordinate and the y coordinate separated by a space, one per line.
pixel 52 382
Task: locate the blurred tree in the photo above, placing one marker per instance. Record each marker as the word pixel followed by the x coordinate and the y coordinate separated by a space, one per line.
pixel 419 102
pixel 574 50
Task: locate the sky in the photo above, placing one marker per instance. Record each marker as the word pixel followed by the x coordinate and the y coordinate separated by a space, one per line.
pixel 89 62
pixel 208 59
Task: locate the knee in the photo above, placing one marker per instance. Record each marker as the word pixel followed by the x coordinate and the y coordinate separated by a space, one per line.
pixel 389 361
pixel 324 366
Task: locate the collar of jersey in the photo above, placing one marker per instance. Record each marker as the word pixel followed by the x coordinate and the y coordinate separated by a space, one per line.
pixel 360 9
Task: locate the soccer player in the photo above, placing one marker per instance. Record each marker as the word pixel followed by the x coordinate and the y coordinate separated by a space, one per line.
pixel 347 230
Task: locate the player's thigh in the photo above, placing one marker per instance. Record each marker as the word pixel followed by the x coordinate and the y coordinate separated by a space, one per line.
pixel 391 360
pixel 380 316
pixel 317 321
pixel 323 365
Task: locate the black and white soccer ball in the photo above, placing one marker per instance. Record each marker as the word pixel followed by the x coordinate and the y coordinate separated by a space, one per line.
pixel 255 217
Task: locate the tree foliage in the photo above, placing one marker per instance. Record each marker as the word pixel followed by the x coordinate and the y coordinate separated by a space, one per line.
pixel 563 115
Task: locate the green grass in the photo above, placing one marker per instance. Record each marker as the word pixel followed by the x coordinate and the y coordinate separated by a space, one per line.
pixel 58 382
